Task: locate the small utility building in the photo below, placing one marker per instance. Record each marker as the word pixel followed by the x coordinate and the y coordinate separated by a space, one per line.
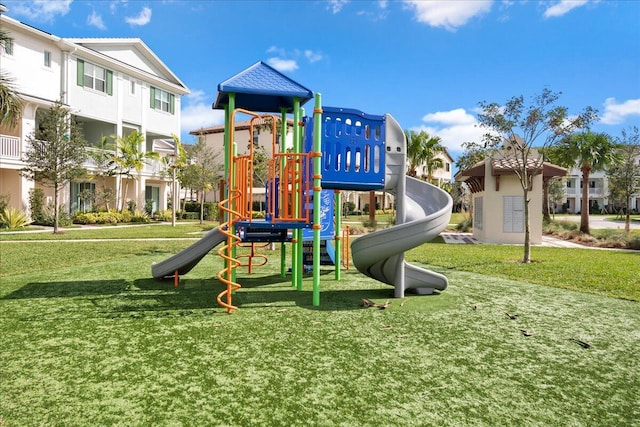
pixel 498 202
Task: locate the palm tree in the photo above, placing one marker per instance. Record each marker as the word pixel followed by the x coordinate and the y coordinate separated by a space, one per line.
pixel 424 150
pixel 104 167
pixel 10 106
pixel 130 157
pixel 589 152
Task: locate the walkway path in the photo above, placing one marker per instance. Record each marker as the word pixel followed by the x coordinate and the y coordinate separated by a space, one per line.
pixel 467 238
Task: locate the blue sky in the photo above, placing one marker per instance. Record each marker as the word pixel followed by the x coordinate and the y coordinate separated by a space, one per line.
pixel 428 63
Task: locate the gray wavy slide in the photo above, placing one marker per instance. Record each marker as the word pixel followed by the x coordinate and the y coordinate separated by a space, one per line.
pixel 380 255
pixel 185 260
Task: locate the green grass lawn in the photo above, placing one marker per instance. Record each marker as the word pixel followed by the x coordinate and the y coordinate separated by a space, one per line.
pixel 88 338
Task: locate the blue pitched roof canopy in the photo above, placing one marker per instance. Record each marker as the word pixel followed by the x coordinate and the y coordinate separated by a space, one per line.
pixel 261 88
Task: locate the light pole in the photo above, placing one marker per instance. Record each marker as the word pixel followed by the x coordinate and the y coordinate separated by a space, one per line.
pixel 174 164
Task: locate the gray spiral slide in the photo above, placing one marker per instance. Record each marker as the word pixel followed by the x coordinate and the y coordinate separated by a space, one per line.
pixel 423 211
pixel 185 260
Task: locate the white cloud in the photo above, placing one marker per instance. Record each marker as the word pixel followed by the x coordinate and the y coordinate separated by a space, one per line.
pixel 197 112
pixel 562 7
pixel 96 20
pixel 283 60
pixel 459 116
pixel 113 6
pixel 446 14
pixel 335 6
pixel 376 11
pixel 276 50
pixel 616 113
pixel 42 10
pixel 283 64
pixel 454 127
pixel 312 56
pixel 143 18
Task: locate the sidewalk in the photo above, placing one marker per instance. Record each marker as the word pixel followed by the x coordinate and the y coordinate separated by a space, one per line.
pixel 548 241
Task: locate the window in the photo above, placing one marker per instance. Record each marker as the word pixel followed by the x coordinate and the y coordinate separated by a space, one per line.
pixel 569 183
pixel 162 100
pixel 477 213
pixel 8 47
pixel 447 167
pixel 47 58
pixel 151 199
pixel 513 214
pixel 82 196
pixel 94 77
pixel 132 89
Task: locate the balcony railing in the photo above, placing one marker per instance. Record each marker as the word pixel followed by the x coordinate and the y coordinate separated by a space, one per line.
pixel 151 167
pixel 10 147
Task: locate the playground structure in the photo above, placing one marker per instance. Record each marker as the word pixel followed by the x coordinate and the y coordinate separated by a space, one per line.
pixel 334 149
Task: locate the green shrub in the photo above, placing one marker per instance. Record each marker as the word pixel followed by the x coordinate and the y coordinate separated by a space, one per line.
pixel 125 216
pixel 37 205
pixel 48 217
pixel 258 214
pixel 165 215
pixel 210 210
pixel 465 225
pixel 13 218
pixel 634 243
pixel 140 217
pixel 110 217
pixel 370 225
pixel 4 201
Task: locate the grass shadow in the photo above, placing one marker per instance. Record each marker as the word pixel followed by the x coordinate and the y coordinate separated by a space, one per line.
pixel 68 289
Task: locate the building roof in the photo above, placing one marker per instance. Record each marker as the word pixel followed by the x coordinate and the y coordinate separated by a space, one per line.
pixel 475 175
pixel 132 52
pixel 261 88
pixel 130 55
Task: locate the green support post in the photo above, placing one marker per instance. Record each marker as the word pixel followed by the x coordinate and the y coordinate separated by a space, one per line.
pixel 228 170
pixel 317 187
pixel 299 149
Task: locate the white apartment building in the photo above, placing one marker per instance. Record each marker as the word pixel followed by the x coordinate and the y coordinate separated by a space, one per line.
pixel 112 86
pixel 598 192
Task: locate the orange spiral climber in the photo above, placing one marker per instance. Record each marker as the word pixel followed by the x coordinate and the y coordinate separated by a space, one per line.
pixel 226 252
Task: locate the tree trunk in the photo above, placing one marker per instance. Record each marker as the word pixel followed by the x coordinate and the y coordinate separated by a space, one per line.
pixel 372 208
pixel 545 200
pixel 584 203
pixel 627 216
pixel 527 230
pixel 56 213
pixel 202 208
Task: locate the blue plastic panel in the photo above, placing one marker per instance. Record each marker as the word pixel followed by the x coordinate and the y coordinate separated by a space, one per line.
pixel 327 231
pixel 352 149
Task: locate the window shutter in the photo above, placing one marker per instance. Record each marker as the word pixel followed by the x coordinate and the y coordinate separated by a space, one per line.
pixel 80 77
pixel 109 82
pixel 152 91
pixel 172 101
